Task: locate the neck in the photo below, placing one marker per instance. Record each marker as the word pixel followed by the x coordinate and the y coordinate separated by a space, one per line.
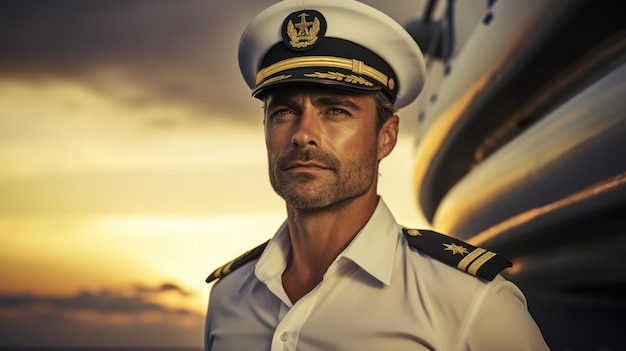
pixel 318 237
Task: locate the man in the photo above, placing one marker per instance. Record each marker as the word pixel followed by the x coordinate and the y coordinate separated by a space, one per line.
pixel 340 273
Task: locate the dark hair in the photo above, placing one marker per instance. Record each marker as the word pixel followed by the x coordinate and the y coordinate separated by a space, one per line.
pixel 384 109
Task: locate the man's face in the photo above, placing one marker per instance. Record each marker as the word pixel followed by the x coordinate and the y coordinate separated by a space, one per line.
pixel 321 145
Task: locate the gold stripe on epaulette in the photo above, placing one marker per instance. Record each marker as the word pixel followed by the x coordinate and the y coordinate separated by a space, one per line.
pixel 474 267
pixel 470 258
pixel 218 272
pixel 226 269
pixel 229 267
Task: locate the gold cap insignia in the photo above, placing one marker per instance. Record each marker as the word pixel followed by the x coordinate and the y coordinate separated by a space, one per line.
pixel 302 30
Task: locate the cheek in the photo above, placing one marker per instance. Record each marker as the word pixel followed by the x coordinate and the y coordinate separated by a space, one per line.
pixel 270 138
pixel 279 137
pixel 356 143
pixel 270 149
pixel 275 146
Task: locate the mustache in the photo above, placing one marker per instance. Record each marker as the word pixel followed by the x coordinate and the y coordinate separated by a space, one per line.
pixel 301 155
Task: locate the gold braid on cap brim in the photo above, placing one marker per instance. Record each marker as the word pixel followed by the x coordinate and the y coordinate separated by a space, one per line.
pixel 355 66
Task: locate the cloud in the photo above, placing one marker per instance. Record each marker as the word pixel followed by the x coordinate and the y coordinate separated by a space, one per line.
pixel 137 51
pixel 163 288
pixel 140 52
pixel 103 301
pixel 104 317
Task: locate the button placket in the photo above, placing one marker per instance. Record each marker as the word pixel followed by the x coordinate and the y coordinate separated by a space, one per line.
pixel 286 333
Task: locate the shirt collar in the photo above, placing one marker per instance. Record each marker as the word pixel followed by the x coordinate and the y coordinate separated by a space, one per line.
pixel 372 249
pixel 374 246
pixel 273 261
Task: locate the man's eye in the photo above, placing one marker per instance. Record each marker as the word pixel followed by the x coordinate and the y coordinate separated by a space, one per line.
pixel 283 114
pixel 338 112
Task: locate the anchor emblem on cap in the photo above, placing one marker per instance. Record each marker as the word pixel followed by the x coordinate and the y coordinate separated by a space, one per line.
pixel 304 33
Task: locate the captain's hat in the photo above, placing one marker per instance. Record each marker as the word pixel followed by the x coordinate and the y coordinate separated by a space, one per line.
pixel 339 43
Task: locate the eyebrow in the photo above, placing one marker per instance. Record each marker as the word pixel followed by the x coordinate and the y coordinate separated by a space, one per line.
pixel 333 100
pixel 290 101
pixel 280 100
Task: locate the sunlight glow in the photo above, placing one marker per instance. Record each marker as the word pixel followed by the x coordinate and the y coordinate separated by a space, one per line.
pixel 92 252
pixel 73 129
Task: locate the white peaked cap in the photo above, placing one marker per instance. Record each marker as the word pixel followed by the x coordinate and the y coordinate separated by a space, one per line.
pixel 342 43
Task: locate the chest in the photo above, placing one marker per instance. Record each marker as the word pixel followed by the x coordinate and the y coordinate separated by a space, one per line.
pixel 347 311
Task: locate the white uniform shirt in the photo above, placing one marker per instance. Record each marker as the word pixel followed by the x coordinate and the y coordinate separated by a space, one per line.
pixel 379 294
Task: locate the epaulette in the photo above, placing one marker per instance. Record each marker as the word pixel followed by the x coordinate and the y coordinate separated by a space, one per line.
pixel 473 260
pixel 236 263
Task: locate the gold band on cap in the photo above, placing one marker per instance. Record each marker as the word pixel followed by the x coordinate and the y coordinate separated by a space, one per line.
pixel 356 66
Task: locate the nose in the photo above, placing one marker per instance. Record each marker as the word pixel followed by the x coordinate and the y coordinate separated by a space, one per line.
pixel 307 130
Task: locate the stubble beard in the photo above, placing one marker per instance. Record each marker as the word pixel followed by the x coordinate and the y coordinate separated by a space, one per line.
pixel 318 191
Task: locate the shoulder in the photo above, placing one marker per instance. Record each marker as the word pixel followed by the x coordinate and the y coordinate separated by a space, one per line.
pixel 474 260
pixel 231 266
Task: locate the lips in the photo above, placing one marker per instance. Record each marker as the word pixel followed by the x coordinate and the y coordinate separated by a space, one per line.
pixel 307 159
pixel 306 165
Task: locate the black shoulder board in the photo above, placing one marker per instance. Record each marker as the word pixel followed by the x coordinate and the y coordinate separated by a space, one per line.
pixel 236 263
pixel 473 260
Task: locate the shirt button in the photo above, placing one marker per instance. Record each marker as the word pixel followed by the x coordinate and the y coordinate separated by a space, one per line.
pixel 284 336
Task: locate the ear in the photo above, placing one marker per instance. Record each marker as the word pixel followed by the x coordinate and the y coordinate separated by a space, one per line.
pixel 387 136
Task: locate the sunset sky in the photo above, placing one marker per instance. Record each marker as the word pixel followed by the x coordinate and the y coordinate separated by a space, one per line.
pixel 132 163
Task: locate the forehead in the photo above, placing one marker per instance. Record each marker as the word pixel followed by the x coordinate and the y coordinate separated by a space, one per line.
pixel 294 92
